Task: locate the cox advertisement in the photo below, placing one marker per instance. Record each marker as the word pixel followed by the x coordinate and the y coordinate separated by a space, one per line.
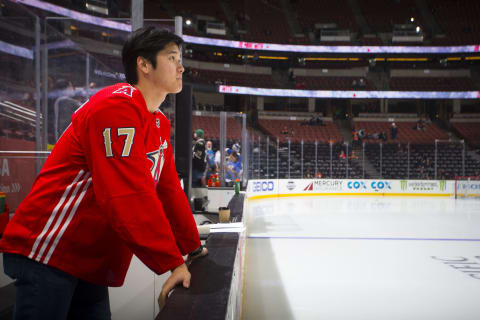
pixel 370 186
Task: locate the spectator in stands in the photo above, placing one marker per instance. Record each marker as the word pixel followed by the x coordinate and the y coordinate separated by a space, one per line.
pixel 355 137
pixel 353 156
pixel 427 163
pixel 310 121
pixel 420 125
pixel 361 83
pixel 64 106
pixel 218 157
pixel 393 131
pixel 331 141
pixel 342 155
pixel 318 175
pixel 361 134
pixel 28 100
pixel 319 121
pixel 236 147
pixel 421 172
pixel 291 76
pixel 307 174
pixel 210 158
pixel 382 136
pixel 442 174
pixel 198 159
pixel 292 132
pixel 284 130
pixel 233 170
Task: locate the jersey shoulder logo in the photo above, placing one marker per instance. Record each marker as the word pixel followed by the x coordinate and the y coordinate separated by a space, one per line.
pixel 126 90
pixel 158 123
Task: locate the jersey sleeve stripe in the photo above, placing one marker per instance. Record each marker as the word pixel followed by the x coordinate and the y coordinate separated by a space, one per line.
pixel 69 219
pixel 54 214
pixel 60 219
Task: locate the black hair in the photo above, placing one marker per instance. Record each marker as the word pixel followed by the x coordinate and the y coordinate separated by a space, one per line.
pixel 145 42
pixel 62 84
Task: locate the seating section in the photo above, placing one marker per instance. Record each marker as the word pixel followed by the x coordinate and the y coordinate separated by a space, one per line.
pixel 332 83
pixel 265 20
pixel 432 84
pixel 155 10
pixel 468 130
pixel 406 132
pixel 313 11
pixel 458 20
pixel 16 130
pixel 396 163
pixel 290 162
pixel 211 127
pixel 301 131
pixel 188 8
pixel 381 15
pixel 230 78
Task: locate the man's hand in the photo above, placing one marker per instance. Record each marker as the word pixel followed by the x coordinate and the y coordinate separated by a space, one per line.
pixel 195 254
pixel 179 275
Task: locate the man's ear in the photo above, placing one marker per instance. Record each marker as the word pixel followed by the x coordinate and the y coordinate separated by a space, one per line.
pixel 143 65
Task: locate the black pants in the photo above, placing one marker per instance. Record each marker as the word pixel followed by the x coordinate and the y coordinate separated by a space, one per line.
pixel 44 292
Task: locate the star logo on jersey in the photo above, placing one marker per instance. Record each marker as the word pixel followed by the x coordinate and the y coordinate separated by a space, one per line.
pixel 158 159
pixel 126 90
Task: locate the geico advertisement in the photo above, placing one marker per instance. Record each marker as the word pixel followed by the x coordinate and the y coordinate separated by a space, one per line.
pixel 262 187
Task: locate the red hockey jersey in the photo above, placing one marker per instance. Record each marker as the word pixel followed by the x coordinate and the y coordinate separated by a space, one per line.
pixel 108 189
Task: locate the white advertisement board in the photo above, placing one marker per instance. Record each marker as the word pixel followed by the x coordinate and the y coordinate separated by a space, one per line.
pixel 264 188
pixel 300 187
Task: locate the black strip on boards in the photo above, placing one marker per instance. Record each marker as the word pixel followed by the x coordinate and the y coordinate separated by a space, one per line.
pixel 207 297
pixel 236 207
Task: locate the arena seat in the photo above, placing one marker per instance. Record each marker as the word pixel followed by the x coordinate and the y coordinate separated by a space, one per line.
pixel 215 77
pixel 458 20
pixel 406 131
pixel 432 84
pixel 313 11
pixel 307 133
pixel 331 83
pixel 382 15
pixel 468 130
pixel 211 127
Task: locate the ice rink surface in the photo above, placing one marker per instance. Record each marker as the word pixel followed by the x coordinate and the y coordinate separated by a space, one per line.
pixel 362 258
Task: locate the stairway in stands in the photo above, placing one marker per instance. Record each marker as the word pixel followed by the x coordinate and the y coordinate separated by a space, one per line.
pixel 346 130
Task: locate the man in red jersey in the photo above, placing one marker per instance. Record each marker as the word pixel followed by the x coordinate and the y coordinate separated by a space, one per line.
pixel 108 190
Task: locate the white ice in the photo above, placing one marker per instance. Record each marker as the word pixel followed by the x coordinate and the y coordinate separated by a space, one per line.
pixel 362 258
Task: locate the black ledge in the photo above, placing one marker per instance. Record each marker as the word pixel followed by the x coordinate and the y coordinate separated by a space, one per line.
pixel 207 297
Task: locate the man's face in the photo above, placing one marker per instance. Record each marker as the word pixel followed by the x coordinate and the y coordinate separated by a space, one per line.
pixel 167 76
pixel 209 145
